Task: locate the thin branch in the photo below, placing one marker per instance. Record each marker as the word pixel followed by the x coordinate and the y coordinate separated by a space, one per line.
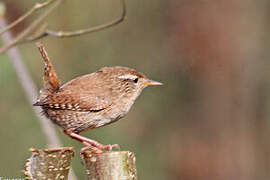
pixel 36 7
pixel 31 91
pixel 43 32
pixel 30 29
pixel 63 34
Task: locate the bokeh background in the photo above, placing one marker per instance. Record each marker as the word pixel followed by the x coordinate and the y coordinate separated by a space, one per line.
pixel 210 120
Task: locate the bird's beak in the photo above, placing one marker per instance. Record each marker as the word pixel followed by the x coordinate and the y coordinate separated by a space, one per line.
pixel 150 82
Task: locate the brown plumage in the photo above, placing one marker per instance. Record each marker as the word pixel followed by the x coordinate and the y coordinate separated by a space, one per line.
pixel 90 101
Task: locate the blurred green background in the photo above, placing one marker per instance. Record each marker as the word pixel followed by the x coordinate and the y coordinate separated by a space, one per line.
pixel 210 120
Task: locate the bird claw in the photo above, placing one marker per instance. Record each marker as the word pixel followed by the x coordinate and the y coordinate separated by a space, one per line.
pixel 94 149
pixel 99 147
pixel 109 147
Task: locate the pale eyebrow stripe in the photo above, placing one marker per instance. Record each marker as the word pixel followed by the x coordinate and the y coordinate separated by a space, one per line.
pixel 128 76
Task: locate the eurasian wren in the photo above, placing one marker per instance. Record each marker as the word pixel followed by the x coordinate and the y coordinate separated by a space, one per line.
pixel 90 101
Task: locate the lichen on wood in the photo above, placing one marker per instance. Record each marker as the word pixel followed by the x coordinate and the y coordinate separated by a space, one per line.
pixel 48 164
pixel 113 165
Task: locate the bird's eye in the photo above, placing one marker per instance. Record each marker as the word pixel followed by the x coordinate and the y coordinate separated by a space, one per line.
pixel 129 77
pixel 135 80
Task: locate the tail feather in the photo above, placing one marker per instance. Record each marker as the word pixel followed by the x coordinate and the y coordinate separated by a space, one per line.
pixel 50 79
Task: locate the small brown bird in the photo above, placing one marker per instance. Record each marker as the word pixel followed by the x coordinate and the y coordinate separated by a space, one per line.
pixel 90 101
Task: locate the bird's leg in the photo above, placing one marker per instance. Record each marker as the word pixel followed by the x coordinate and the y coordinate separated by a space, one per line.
pixel 89 146
pixel 92 142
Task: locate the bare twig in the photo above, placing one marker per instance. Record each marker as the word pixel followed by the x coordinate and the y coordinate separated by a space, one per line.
pixel 23 35
pixel 31 91
pixel 111 165
pixel 36 7
pixel 26 36
pixel 49 163
pixel 63 34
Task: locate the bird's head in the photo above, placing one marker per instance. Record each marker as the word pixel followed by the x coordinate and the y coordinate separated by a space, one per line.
pixel 128 80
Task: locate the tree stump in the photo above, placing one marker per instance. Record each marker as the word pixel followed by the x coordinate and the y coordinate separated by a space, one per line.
pixel 49 163
pixel 110 165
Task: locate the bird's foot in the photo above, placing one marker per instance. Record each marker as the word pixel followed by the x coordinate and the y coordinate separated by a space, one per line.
pixel 92 144
pixel 89 146
pixel 98 148
pixel 109 147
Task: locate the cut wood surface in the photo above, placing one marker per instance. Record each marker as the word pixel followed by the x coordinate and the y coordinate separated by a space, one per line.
pixel 110 165
pixel 48 164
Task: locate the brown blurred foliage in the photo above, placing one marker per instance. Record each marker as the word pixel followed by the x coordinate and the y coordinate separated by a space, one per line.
pixel 222 43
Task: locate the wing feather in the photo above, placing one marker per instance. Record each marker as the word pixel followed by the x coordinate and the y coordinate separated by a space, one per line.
pixel 72 101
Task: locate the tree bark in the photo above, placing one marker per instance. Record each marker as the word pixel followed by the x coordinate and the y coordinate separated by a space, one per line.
pixel 49 163
pixel 113 165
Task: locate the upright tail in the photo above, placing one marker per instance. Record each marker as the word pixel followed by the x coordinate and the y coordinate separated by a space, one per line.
pixel 50 79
